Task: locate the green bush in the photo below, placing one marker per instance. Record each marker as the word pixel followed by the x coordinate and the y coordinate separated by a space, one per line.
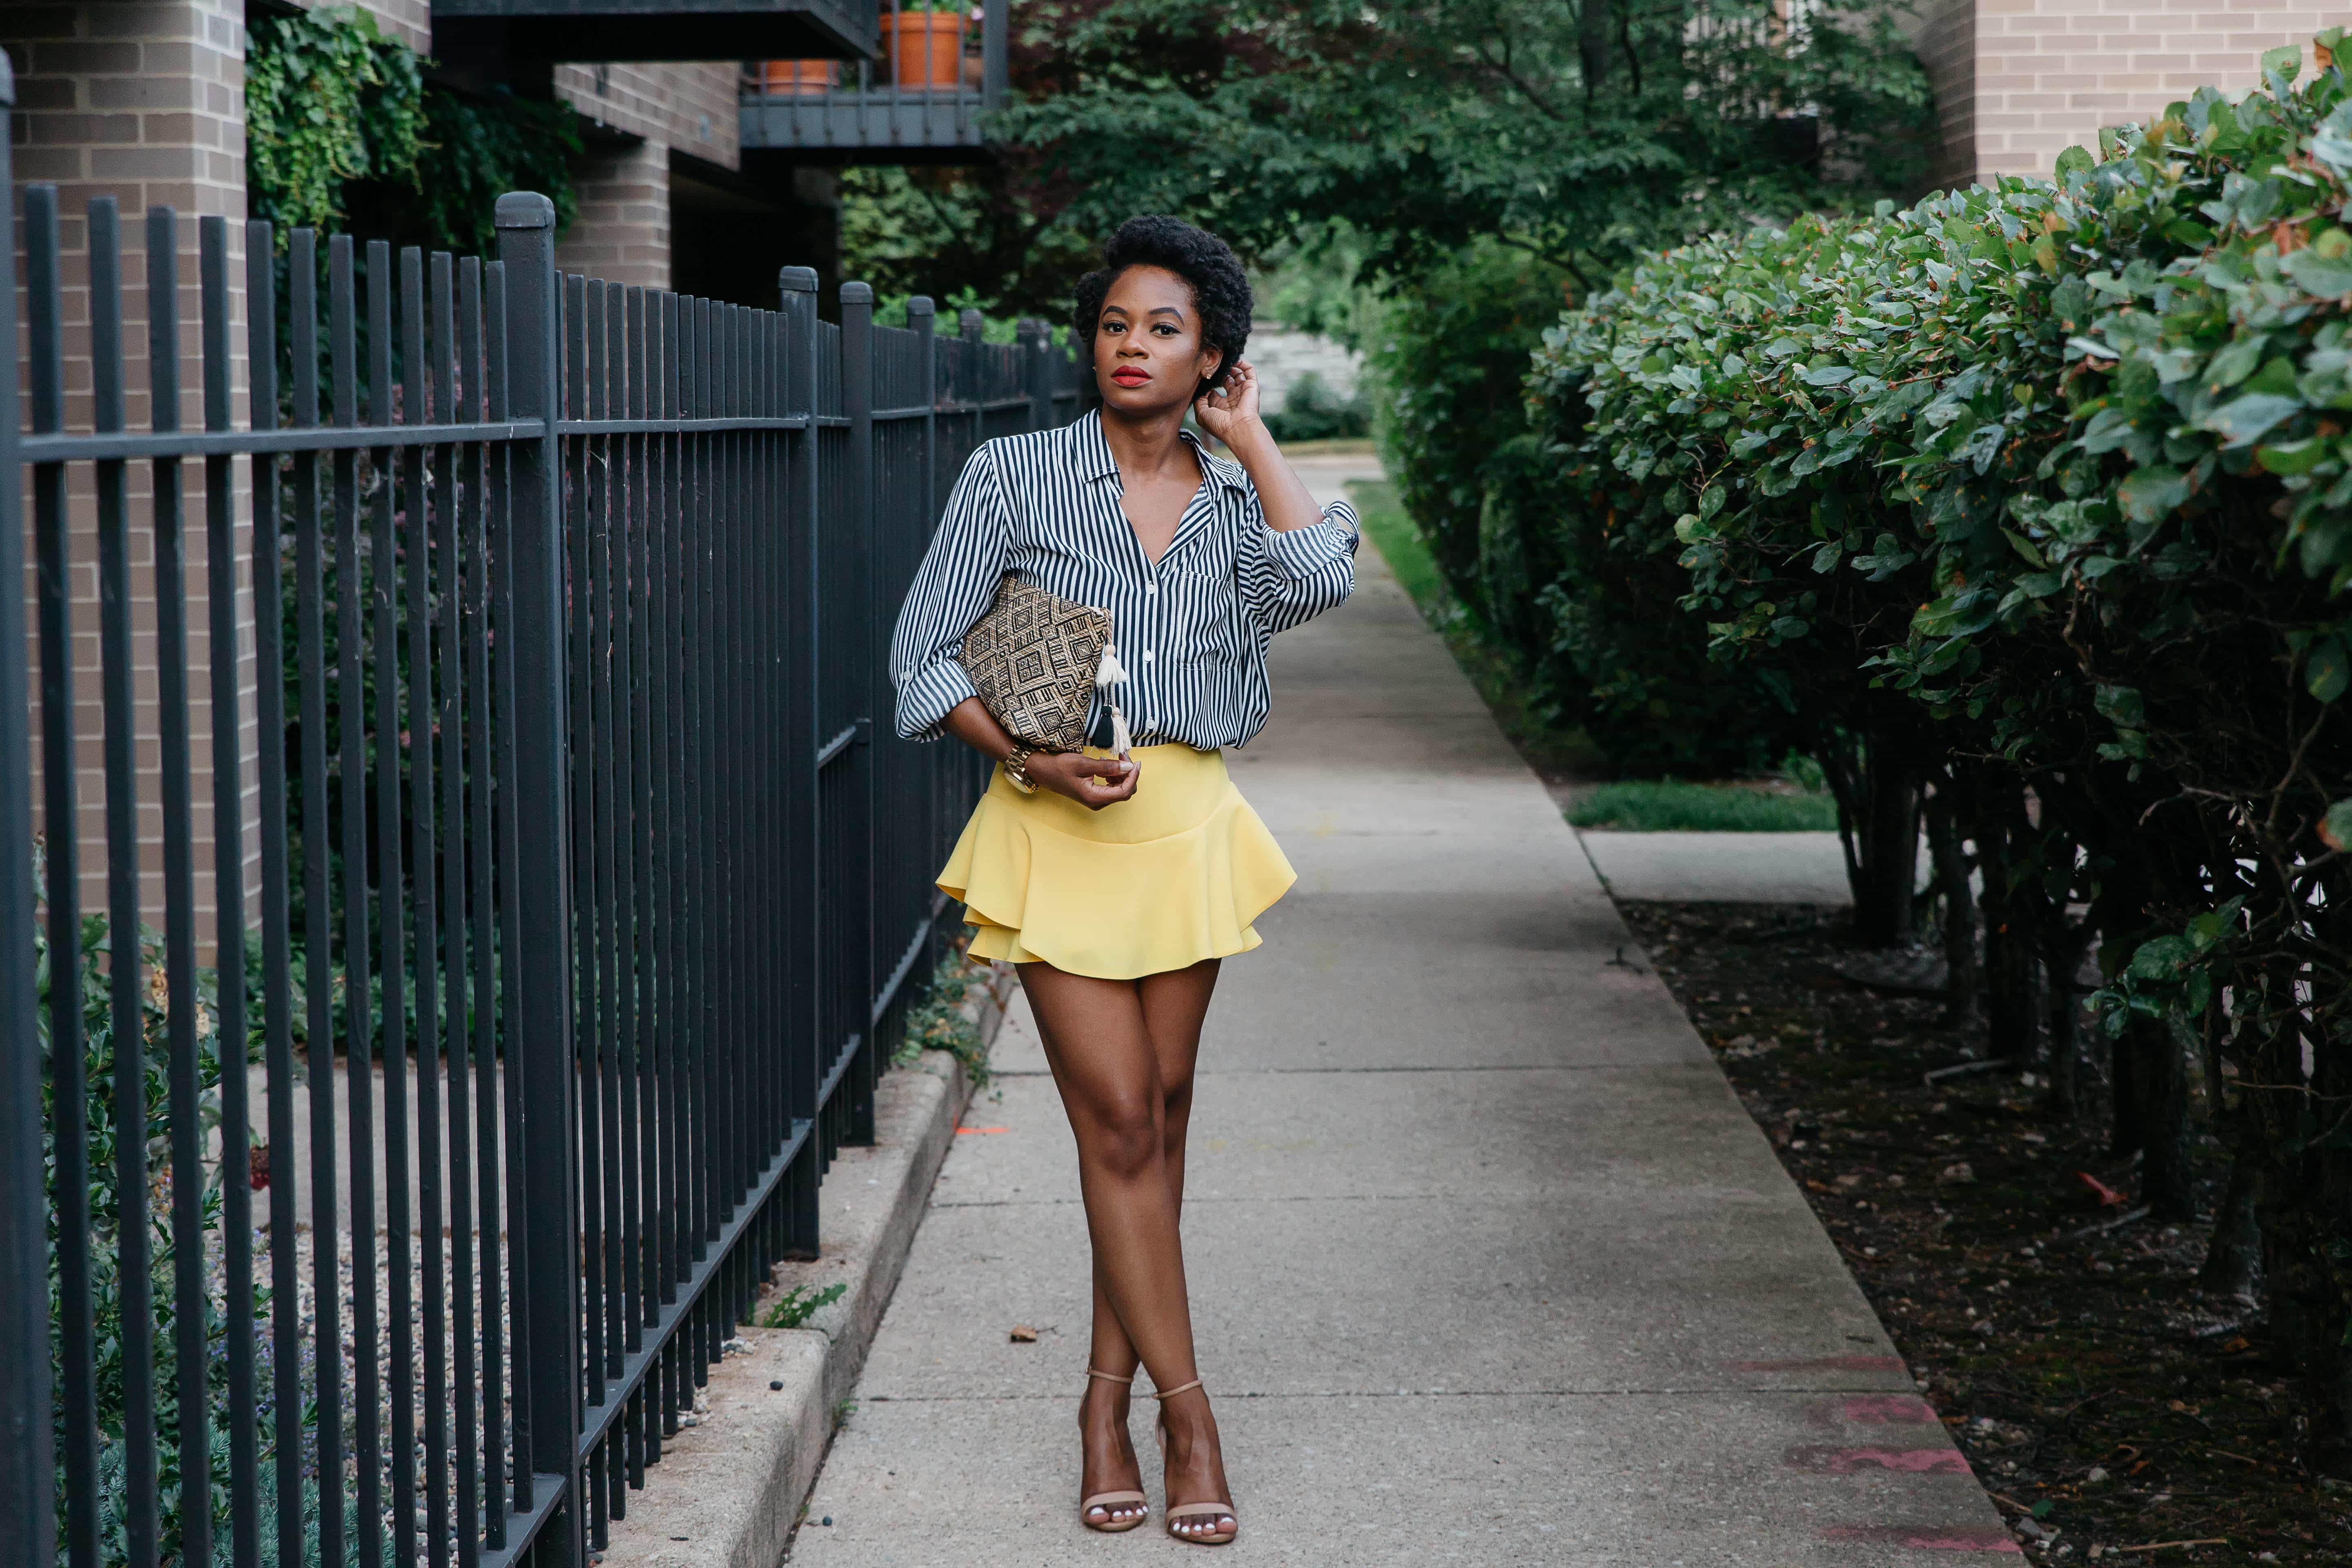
pixel 2047 487
pixel 1589 622
pixel 1313 412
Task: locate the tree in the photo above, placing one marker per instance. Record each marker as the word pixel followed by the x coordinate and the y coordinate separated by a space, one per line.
pixel 1577 131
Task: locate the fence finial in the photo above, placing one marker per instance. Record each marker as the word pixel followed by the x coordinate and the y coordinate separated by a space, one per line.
pixel 917 305
pixel 797 280
pixel 525 209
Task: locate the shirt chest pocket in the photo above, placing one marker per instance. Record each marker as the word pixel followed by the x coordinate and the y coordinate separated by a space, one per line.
pixel 1198 608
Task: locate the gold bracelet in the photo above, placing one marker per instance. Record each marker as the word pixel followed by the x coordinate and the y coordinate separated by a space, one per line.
pixel 1016 769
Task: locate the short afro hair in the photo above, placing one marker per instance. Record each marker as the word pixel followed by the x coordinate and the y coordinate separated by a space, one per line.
pixel 1220 290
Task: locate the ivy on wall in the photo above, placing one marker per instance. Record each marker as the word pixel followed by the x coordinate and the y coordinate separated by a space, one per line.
pixel 344 134
pixel 329 100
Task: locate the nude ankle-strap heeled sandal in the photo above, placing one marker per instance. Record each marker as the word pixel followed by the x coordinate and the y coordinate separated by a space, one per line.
pixel 1111 1523
pixel 1179 1512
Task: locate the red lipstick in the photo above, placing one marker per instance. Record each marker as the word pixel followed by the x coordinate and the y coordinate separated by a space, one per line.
pixel 1130 375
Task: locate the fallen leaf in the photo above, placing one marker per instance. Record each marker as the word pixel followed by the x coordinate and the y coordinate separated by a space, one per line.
pixel 1023 1334
pixel 2108 1198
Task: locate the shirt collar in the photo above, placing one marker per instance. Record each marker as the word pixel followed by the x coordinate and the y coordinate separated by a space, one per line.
pixel 1091 455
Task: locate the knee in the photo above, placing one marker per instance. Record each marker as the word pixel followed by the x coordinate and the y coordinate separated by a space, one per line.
pixel 1175 1109
pixel 1125 1141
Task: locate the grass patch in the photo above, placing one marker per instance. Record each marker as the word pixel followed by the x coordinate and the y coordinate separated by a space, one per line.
pixel 1402 546
pixel 1647 808
pixel 1553 749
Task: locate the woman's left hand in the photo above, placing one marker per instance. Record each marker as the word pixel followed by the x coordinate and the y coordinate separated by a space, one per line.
pixel 1230 405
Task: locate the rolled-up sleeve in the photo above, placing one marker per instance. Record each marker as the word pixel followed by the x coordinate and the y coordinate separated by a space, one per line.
pixel 954 588
pixel 1289 577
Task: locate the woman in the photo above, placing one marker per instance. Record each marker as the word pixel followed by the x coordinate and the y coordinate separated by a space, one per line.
pixel 1118 885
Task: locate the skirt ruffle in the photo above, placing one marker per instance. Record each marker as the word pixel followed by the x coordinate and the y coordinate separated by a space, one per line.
pixel 1160 882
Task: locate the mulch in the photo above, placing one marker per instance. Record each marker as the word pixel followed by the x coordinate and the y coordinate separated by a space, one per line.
pixel 2105 1400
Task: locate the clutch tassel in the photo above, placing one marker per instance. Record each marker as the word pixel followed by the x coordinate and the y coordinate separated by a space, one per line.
pixel 1107 674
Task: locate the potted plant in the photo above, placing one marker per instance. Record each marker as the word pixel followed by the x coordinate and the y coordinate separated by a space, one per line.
pixel 800 76
pixel 925 43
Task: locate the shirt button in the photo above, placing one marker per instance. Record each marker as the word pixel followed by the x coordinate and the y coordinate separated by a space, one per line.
pixel 1146 656
pixel 1150 589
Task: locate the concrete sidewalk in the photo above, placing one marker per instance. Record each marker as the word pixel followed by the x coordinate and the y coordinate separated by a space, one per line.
pixel 1488 1266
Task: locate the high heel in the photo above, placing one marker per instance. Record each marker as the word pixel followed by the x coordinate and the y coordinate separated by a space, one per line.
pixel 1180 1511
pixel 1111 1523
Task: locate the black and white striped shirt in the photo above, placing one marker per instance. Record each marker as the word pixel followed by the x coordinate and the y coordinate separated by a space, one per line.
pixel 1190 630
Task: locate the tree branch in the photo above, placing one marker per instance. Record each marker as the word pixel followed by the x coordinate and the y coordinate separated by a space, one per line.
pixel 1565 263
pixel 1502 70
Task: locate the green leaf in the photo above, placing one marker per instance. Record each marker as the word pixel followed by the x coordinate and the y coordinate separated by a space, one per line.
pixel 2149 495
pixel 2236 362
pixel 2327 277
pixel 2335 828
pixel 2024 547
pixel 2288 459
pixel 2328 669
pixel 2162 958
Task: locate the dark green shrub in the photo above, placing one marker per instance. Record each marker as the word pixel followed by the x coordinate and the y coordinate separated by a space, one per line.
pixel 2061 467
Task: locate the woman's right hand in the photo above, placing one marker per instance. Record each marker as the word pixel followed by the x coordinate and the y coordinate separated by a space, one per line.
pixel 1093 782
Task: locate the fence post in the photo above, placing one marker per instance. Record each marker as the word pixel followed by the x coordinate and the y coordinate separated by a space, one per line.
pixel 857 839
pixel 1037 373
pixel 27 1513
pixel 539 1031
pixel 923 321
pixel 994 56
pixel 797 287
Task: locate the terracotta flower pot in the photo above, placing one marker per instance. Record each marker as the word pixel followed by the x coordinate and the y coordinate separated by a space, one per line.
pixel 926 49
pixel 798 76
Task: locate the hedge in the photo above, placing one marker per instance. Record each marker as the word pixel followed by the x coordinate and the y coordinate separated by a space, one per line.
pixel 2043 492
pixel 1592 631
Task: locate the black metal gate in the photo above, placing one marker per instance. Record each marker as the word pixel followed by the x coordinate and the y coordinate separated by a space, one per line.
pixel 589 894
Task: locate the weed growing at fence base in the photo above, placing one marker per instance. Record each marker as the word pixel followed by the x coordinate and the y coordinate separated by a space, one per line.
pixel 939 1022
pixel 1669 807
pixel 796 1307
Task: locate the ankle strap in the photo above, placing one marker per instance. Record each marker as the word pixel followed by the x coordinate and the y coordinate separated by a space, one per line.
pixel 1110 1376
pixel 1164 1393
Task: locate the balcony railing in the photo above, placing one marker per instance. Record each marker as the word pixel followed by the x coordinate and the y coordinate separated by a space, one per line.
pixel 936 74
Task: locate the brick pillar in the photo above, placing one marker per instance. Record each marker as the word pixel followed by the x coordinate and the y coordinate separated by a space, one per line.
pixel 142 100
pixel 622 234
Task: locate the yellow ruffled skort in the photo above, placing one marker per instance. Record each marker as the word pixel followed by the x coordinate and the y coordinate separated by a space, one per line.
pixel 1161 880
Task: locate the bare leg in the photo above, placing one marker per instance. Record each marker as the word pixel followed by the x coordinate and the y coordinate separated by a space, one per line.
pixel 1122 1056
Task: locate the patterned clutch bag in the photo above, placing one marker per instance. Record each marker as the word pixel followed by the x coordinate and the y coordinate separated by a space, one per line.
pixel 1034 658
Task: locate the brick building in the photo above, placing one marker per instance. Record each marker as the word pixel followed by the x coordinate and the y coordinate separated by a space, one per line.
pixel 2019 82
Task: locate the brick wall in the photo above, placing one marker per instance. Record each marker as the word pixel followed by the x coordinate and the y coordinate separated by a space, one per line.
pixel 142 99
pixel 689 107
pixel 622 233
pixel 2047 74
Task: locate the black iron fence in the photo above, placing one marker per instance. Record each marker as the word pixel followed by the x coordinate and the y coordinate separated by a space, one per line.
pixel 397 1196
